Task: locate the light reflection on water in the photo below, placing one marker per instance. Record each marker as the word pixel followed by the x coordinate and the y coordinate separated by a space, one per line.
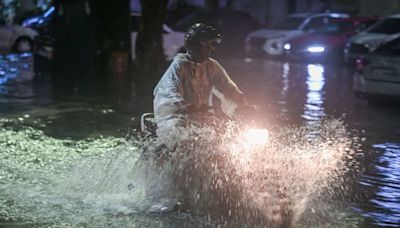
pixel 285 87
pixel 16 68
pixel 16 82
pixel 384 206
pixel 313 108
pixel 285 76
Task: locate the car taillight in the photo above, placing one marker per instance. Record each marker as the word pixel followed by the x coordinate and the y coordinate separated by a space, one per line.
pixel 361 63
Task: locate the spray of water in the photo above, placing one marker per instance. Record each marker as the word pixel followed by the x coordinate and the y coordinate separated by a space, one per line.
pixel 269 185
pixel 107 182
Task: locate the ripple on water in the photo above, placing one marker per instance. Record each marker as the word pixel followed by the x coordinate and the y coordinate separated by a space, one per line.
pixel 384 209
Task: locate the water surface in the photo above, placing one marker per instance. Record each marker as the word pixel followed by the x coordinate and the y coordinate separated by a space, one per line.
pixel 67 160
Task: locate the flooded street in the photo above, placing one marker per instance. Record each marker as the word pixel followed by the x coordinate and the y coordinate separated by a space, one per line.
pixel 65 157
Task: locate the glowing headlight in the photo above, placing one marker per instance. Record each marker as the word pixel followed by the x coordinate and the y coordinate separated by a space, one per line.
pixel 316 49
pixel 286 46
pixel 256 136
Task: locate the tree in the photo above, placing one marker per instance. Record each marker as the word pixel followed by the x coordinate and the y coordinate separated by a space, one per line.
pixel 211 6
pixel 150 58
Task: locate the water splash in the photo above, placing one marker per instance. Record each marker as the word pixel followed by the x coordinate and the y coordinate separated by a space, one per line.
pixel 103 182
pixel 270 185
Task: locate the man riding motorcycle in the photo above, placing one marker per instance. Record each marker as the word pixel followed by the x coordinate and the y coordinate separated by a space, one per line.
pixel 195 92
pixel 194 81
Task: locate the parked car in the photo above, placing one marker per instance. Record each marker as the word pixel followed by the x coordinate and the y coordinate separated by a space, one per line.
pixel 40 22
pixel 327 41
pixel 378 72
pixel 269 42
pixel 381 32
pixel 15 37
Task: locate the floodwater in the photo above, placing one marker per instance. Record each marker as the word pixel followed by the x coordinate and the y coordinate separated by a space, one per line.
pixel 69 159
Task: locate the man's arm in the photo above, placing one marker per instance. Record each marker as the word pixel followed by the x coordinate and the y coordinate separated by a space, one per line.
pixel 243 110
pixel 225 85
pixel 169 94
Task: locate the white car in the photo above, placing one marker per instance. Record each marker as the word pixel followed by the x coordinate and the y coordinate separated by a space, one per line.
pixel 16 38
pixel 378 73
pixel 381 32
pixel 173 40
pixel 270 42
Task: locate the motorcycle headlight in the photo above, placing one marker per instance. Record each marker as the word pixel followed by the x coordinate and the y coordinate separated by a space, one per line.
pixel 255 136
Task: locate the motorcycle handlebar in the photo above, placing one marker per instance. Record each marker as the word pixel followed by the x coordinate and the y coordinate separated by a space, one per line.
pixel 245 113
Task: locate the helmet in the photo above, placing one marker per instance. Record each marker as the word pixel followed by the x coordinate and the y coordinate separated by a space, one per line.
pixel 201 34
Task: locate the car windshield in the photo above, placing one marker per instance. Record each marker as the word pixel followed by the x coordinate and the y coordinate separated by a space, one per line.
pixel 341 27
pixel 290 23
pixel 333 28
pixel 392 47
pixel 386 26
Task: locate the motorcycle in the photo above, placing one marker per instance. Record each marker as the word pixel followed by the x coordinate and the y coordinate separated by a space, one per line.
pixel 210 115
pixel 200 166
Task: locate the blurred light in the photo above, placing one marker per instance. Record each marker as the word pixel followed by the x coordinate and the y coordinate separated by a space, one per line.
pixel 49 11
pixel 361 63
pixel 285 81
pixel 286 46
pixel 29 22
pixel 315 78
pixel 256 136
pixel 338 15
pixel 316 49
pixel 314 106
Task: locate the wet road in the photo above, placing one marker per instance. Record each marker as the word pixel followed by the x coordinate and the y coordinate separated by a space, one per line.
pixel 291 93
pixel 303 92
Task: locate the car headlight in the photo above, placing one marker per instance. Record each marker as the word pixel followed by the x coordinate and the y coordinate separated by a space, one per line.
pixel 286 46
pixel 316 49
